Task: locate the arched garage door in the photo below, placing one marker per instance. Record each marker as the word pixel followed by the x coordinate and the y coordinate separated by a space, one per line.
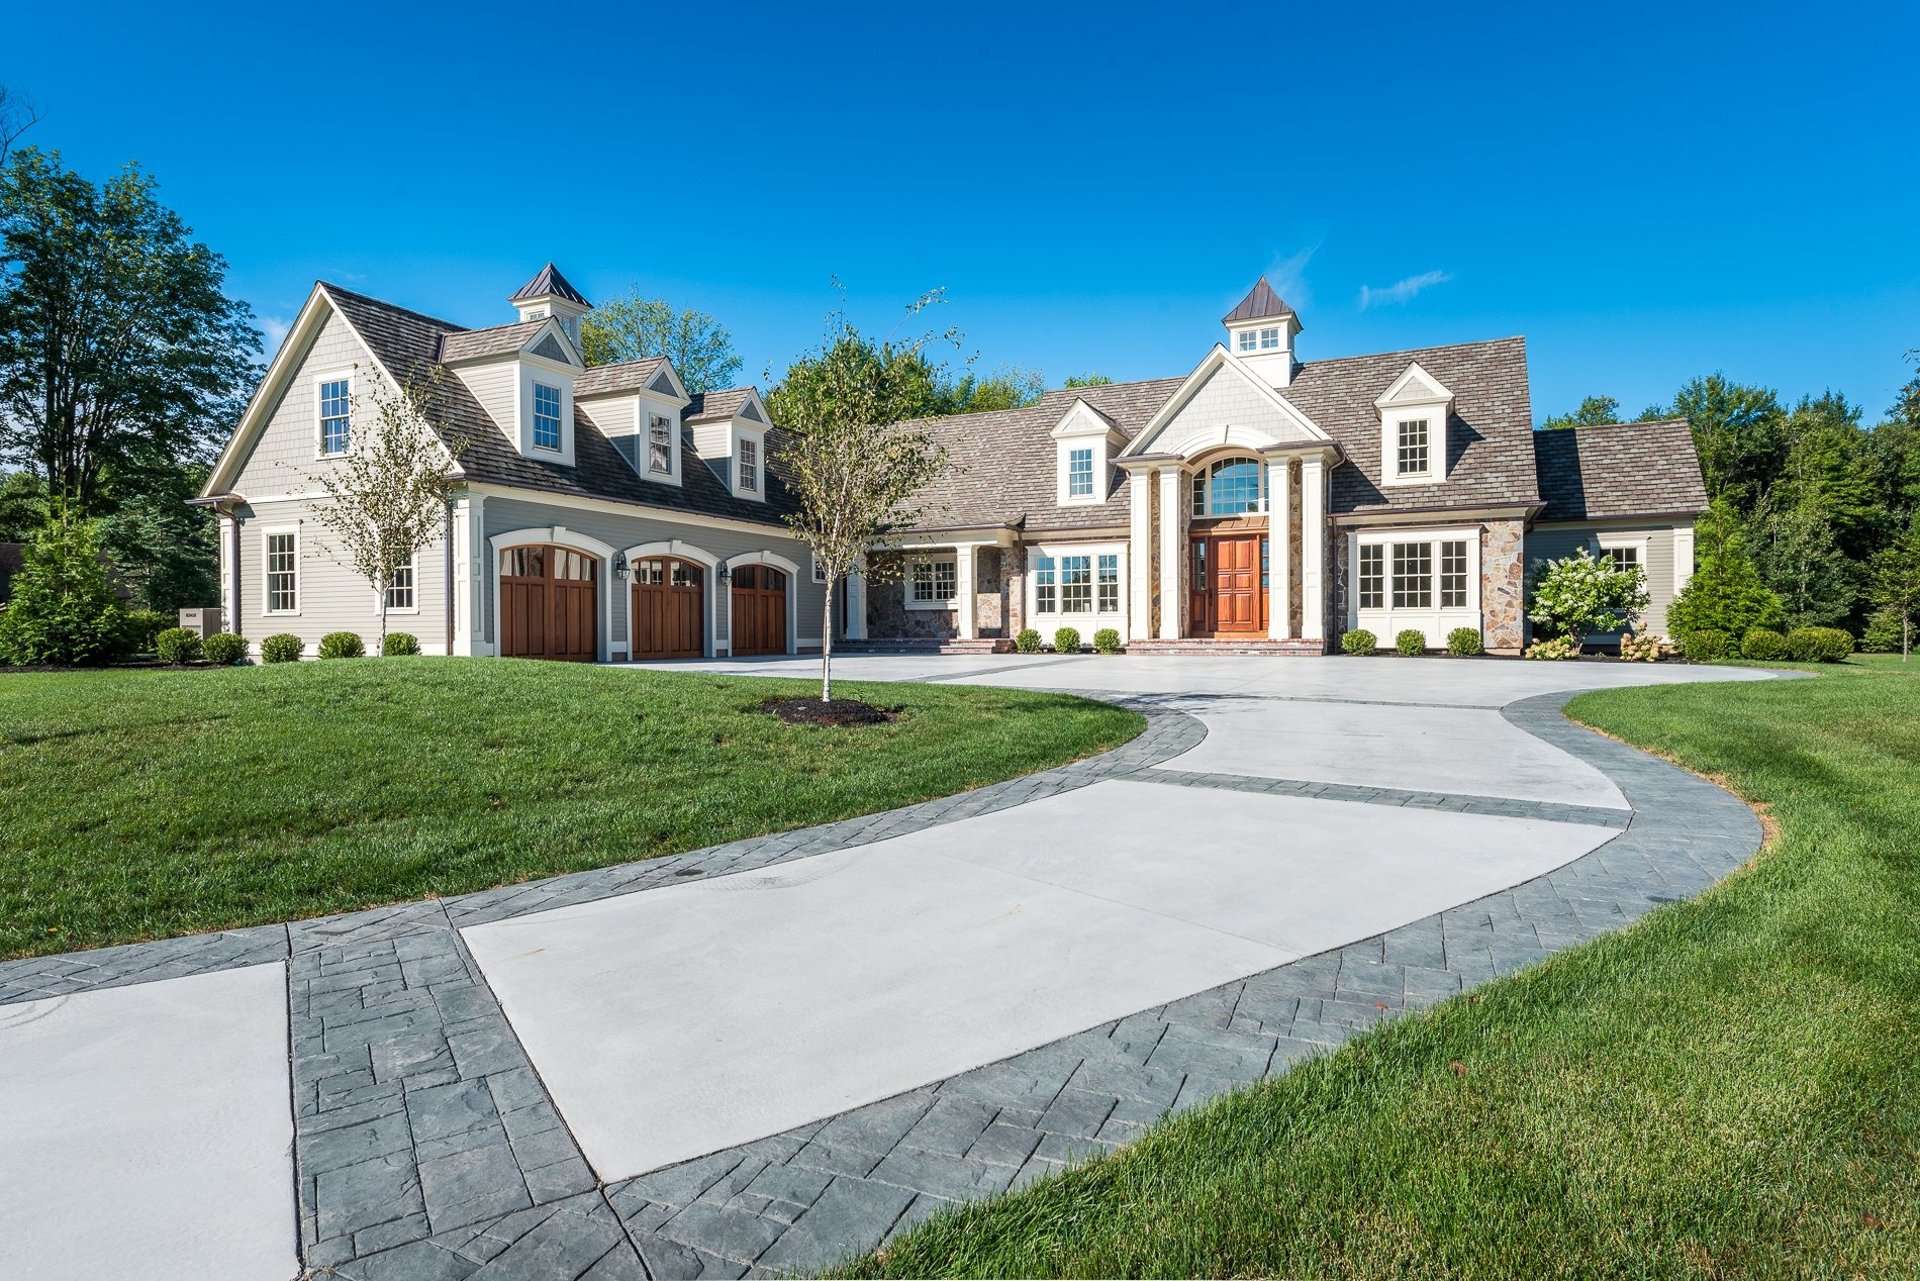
pixel 759 610
pixel 669 606
pixel 549 604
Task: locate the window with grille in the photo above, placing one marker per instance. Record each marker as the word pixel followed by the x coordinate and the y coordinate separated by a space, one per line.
pixel 283 573
pixel 1453 575
pixel 1231 487
pixel 400 587
pixel 1373 576
pixel 336 416
pixel 1413 448
pixel 1623 558
pixel 1076 584
pixel 1109 584
pixel 546 416
pixel 1413 575
pixel 1080 473
pixel 1270 339
pixel 660 445
pixel 1044 600
pixel 935 582
pixel 750 466
pixel 1245 339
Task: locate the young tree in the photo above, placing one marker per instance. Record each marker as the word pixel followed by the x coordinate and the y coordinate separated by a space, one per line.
pixel 117 348
pixel 1582 594
pixel 64 611
pixel 1725 593
pixel 634 328
pixel 386 498
pixel 1896 582
pixel 857 467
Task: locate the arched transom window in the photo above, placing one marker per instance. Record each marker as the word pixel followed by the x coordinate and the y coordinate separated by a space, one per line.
pixel 1230 487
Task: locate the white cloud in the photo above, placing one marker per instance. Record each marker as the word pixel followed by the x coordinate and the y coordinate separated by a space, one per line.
pixel 275 328
pixel 1401 290
pixel 1288 276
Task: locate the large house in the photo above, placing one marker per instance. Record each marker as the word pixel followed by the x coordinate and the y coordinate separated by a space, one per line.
pixel 1259 502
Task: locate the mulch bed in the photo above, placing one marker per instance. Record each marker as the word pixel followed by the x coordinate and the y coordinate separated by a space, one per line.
pixel 841 711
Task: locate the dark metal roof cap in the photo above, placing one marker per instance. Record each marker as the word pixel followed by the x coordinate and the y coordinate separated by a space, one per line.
pixel 549 284
pixel 1260 303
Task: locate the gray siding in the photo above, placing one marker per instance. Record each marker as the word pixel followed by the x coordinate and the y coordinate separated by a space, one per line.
pixel 1225 399
pixel 495 385
pixel 1555 541
pixel 621 531
pixel 283 457
pixel 332 597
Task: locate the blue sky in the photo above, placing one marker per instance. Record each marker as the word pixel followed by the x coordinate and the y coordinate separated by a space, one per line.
pixel 1646 194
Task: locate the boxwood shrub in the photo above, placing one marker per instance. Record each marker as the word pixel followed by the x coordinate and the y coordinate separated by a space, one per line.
pixel 1067 641
pixel 1411 641
pixel 1359 641
pixel 283 648
pixel 1706 645
pixel 1107 641
pixel 1763 645
pixel 342 645
pixel 1464 642
pixel 1818 644
pixel 1028 641
pixel 177 645
pixel 224 649
pixel 401 645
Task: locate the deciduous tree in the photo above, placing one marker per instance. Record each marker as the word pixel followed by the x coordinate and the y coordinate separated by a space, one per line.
pixel 1896 582
pixel 1740 432
pixel 634 328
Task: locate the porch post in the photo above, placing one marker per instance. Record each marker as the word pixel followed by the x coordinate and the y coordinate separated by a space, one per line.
pixel 1313 547
pixel 1173 554
pixel 1139 550
pixel 1280 547
pixel 856 593
pixel 963 590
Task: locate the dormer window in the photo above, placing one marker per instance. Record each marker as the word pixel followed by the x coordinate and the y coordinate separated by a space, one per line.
pixel 1080 472
pixel 660 444
pixel 1414 414
pixel 546 417
pixel 1256 340
pixel 749 466
pixel 1411 453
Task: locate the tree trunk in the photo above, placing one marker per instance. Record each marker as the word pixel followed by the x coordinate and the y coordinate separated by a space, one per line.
pixel 382 589
pixel 826 646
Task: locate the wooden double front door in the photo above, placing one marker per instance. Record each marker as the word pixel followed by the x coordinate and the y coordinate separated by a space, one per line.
pixel 669 608
pixel 759 610
pixel 549 604
pixel 1228 596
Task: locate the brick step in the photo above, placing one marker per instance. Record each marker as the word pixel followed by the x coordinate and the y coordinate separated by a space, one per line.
pixel 927 645
pixel 1220 646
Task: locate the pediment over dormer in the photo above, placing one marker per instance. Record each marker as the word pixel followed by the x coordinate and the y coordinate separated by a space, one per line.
pixel 1414 387
pixel 1222 402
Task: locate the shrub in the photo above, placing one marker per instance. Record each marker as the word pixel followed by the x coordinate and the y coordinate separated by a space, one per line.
pixel 1555 648
pixel 1464 642
pixel 283 648
pixel 177 645
pixel 342 645
pixel 142 626
pixel 1412 642
pixel 1707 645
pixel 1644 648
pixel 1359 641
pixel 1884 634
pixel 1107 641
pixel 1580 595
pixel 1818 644
pixel 1028 641
pixel 401 645
pixel 1066 641
pixel 64 612
pixel 1763 645
pixel 224 649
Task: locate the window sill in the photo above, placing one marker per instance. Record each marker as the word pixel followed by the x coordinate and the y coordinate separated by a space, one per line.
pixel 931 606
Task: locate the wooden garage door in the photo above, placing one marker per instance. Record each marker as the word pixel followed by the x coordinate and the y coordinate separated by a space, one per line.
pixel 759 610
pixel 668 607
pixel 548 604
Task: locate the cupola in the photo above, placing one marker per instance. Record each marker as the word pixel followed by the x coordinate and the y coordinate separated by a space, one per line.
pixel 549 294
pixel 1260 333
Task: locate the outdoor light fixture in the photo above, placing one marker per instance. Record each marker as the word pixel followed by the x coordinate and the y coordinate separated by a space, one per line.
pixel 620 566
pixel 726 574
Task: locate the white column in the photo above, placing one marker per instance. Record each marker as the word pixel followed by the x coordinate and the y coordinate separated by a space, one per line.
pixel 463 578
pixel 480 571
pixel 1313 547
pixel 1139 548
pixel 1279 548
pixel 1682 557
pixel 963 589
pixel 856 589
pixel 229 575
pixel 1173 555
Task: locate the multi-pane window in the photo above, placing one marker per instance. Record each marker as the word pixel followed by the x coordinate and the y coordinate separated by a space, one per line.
pixel 1044 600
pixel 400 587
pixel 934 582
pixel 1453 574
pixel 1413 575
pixel 1412 460
pixel 750 467
pixel 1373 576
pixel 1263 564
pixel 1109 602
pixel 660 445
pixel 1080 473
pixel 1076 584
pixel 1231 487
pixel 1270 339
pixel 336 416
pixel 283 573
pixel 1246 340
pixel 1623 558
pixel 546 416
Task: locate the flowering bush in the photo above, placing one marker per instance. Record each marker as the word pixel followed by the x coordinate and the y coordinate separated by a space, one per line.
pixel 1558 647
pixel 1579 594
pixel 1644 648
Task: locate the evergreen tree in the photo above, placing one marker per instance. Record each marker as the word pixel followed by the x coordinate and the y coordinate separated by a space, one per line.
pixel 1896 582
pixel 1725 593
pixel 64 611
pixel 1801 562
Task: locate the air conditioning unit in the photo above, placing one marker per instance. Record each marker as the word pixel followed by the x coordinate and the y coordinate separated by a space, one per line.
pixel 201 622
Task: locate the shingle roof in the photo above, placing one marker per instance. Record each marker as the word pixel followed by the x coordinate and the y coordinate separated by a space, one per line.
pixel 548 283
pixel 628 375
pixel 467 344
pixel 1259 303
pixel 1619 469
pixel 408 345
pixel 716 406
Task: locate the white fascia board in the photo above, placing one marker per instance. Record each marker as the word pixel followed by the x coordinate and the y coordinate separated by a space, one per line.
pixel 273 384
pixel 1215 359
pixel 1082 419
pixel 771 527
pixel 1440 396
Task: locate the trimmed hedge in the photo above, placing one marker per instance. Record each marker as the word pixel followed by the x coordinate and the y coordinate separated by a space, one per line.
pixel 1066 641
pixel 1763 645
pixel 1706 645
pixel 1411 642
pixel 283 648
pixel 1106 641
pixel 177 645
pixel 1359 641
pixel 1028 641
pixel 1818 644
pixel 401 645
pixel 224 649
pixel 342 645
pixel 1464 642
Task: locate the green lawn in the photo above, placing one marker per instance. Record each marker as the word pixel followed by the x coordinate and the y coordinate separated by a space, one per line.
pixel 138 804
pixel 1729 1089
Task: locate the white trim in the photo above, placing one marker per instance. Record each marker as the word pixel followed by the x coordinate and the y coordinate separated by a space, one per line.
pixel 1214 360
pixel 1435 620
pixel 709 590
pixel 559 536
pixel 932 556
pixel 413 564
pixel 319 380
pixel 1682 557
pixel 1642 543
pixel 693 520
pixel 1434 408
pixel 1388 399
pixel 266 572
pixel 793 591
pixel 1095 618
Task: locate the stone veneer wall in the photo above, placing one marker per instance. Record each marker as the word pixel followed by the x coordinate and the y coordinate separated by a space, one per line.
pixel 1503 585
pixel 888 617
pixel 990 593
pixel 1338 571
